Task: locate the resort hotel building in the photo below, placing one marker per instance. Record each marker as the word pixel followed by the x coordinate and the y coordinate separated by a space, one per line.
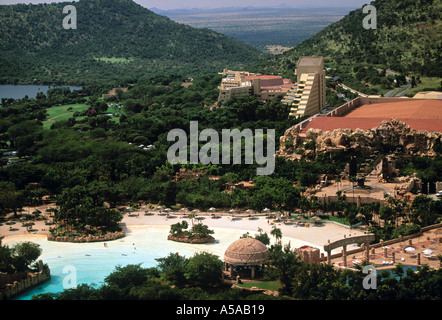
pixel 307 97
pixel 264 87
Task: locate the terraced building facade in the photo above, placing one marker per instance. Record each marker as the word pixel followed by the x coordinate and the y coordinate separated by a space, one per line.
pixel 307 97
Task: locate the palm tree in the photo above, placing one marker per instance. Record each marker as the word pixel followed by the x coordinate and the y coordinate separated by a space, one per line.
pixel 177 228
pixel 192 216
pixel 276 232
pixel 201 230
pixel 314 203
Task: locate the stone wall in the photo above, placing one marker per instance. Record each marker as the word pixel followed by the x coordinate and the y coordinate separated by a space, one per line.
pixel 337 112
pixel 345 108
pixel 15 284
pixel 385 243
pixel 6 278
pixel 357 199
pixel 89 238
pixel 379 99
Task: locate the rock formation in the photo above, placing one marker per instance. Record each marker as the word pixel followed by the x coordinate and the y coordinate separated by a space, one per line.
pixel 389 134
pixel 191 239
pixel 89 238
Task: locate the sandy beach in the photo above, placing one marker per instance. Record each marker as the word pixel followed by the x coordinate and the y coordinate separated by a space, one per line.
pixel 316 236
pixel 146 240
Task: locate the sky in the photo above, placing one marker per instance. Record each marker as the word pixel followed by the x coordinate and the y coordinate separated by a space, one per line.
pixel 188 4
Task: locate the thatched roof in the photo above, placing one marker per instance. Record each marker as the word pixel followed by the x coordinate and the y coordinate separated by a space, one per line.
pixel 246 252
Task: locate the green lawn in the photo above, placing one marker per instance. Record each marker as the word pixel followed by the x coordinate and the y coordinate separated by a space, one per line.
pixel 62 113
pixel 432 83
pixel 339 220
pixel 115 109
pixel 267 285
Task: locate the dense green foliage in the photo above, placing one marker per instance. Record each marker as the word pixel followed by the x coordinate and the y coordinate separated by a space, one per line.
pixel 111 158
pixel 20 257
pixel 407 40
pixel 427 169
pixel 76 153
pixel 114 40
pixel 198 230
pixel 83 208
pixel 93 160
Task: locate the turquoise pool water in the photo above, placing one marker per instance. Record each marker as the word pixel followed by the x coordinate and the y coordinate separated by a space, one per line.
pixel 92 262
pixel 405 267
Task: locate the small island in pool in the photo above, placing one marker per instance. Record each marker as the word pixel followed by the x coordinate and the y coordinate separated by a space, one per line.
pixel 199 233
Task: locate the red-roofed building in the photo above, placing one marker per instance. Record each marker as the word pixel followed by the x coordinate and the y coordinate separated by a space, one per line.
pixel 334 123
pixel 264 87
pixel 368 113
pixel 266 80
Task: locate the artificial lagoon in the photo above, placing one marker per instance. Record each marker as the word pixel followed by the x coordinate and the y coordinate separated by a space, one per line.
pixel 94 261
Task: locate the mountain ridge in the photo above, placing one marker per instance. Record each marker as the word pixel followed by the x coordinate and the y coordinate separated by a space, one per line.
pixel 36 45
pixel 407 39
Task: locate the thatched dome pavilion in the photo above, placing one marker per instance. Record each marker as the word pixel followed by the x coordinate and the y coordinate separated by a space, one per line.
pixel 246 252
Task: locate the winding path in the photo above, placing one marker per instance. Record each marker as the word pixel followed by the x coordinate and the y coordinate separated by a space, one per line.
pixel 60 115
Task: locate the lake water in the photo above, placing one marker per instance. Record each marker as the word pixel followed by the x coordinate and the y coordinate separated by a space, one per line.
pixel 20 91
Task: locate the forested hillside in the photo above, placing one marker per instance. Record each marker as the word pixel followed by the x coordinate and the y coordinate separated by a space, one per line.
pixel 114 39
pixel 407 39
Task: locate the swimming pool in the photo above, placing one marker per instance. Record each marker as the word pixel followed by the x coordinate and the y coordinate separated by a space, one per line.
pixel 92 262
pixel 405 267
